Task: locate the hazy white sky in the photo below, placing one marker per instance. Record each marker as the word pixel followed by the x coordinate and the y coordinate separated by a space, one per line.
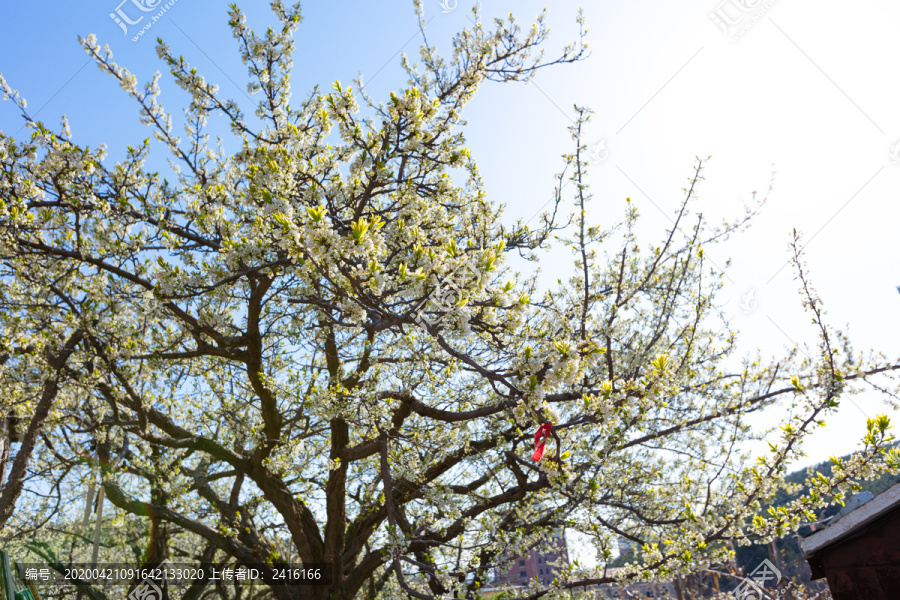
pixel 808 89
pixel 806 92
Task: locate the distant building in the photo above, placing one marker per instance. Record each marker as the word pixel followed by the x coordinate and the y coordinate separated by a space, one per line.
pixel 520 570
pixel 635 590
pixel 639 589
pixel 626 546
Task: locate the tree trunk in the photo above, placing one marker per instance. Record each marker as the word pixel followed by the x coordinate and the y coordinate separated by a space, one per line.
pixel 775 557
pixel 678 591
pixel 4 450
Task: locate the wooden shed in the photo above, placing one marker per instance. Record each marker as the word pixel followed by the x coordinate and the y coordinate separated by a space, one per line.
pixel 859 552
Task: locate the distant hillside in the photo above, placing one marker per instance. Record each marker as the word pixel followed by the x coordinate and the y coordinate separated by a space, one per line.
pixel 748 557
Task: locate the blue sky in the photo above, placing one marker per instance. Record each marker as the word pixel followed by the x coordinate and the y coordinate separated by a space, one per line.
pixel 808 89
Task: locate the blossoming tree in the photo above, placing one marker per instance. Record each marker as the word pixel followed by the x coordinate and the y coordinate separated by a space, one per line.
pixel 312 350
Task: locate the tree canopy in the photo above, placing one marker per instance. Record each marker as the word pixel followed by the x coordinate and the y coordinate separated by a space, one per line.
pixel 313 348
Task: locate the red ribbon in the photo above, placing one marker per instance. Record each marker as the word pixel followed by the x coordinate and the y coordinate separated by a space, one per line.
pixel 540 439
